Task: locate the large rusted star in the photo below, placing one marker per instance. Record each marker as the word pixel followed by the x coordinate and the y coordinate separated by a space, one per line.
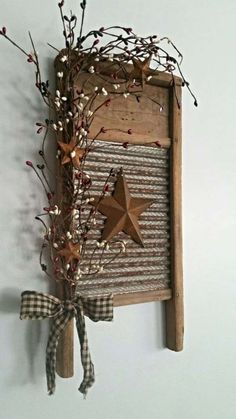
pixel 141 69
pixel 71 152
pixel 70 252
pixel 122 211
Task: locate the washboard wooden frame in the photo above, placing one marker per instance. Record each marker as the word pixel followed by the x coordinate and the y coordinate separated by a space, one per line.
pixel 172 297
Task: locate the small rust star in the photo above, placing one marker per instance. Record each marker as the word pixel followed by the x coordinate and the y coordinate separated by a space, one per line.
pixel 122 211
pixel 70 252
pixel 141 69
pixel 71 152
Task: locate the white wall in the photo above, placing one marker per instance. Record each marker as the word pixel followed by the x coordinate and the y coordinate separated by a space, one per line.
pixel 137 377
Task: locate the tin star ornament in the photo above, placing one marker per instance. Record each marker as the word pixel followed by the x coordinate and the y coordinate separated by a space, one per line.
pixel 122 211
pixel 71 152
pixel 70 252
pixel 141 69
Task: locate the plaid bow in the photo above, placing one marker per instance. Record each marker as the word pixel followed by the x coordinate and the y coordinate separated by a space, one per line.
pixel 38 306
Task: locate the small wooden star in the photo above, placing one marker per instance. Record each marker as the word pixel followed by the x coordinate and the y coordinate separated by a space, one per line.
pixel 70 252
pixel 122 211
pixel 141 69
pixel 68 150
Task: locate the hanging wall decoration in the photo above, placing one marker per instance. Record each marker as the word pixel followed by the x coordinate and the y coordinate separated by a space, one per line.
pixel 112 218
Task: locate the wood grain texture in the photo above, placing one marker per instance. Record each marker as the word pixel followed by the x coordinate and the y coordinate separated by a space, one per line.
pixel 65 352
pixel 147 117
pixel 142 297
pixel 65 347
pixel 174 307
pixel 158 78
pixel 135 139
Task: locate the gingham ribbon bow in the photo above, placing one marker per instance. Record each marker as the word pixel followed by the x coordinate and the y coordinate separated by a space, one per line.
pixel 38 306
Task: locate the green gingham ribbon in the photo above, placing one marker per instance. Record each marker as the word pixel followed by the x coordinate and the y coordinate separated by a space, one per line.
pixel 38 306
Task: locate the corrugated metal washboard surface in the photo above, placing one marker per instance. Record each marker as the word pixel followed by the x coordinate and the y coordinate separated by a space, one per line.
pixel 139 269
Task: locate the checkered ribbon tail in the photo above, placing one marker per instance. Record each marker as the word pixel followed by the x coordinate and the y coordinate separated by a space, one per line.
pixel 38 306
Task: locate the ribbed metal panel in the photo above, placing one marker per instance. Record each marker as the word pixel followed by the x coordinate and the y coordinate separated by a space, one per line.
pixel 138 269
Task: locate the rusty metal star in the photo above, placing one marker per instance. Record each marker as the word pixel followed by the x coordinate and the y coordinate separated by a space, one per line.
pixel 70 252
pixel 141 69
pixel 122 211
pixel 71 152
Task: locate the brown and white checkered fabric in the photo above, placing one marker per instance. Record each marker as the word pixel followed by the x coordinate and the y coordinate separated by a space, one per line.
pixel 37 306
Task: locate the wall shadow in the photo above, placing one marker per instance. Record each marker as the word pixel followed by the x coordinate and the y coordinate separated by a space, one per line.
pixel 161 325
pixel 34 340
